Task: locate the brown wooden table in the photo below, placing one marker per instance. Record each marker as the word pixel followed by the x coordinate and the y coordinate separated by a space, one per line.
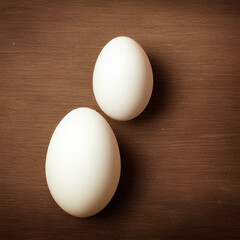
pixel 180 158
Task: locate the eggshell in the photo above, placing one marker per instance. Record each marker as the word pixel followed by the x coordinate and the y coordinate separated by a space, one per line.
pixel 122 79
pixel 83 163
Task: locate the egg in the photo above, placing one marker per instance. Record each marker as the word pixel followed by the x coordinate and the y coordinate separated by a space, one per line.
pixel 122 79
pixel 83 163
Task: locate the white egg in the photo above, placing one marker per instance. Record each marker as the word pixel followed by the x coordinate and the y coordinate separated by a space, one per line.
pixel 122 79
pixel 83 163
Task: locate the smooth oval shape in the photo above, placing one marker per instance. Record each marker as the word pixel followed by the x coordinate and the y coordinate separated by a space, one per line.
pixel 83 163
pixel 122 79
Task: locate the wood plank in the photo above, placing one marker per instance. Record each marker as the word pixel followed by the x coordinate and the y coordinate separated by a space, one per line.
pixel 180 157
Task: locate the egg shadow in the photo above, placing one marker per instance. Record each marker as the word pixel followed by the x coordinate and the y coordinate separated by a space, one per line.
pixel 130 172
pixel 160 100
pixel 127 185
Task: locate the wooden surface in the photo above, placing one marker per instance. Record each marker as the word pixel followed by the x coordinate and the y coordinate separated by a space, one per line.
pixel 180 158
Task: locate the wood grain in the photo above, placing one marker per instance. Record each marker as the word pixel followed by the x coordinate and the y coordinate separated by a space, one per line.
pixel 180 157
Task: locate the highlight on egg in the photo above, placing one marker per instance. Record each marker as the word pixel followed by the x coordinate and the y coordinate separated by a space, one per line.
pixel 83 163
pixel 122 79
